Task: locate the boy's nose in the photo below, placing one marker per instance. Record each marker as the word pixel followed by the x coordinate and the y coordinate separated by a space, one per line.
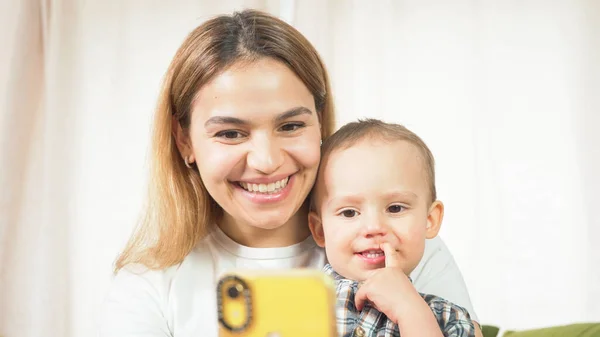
pixel 375 227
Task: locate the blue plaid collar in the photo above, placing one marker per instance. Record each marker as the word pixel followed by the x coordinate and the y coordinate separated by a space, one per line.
pixel 328 269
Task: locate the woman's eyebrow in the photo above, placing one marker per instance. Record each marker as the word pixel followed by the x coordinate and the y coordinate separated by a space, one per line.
pixel 293 112
pixel 225 120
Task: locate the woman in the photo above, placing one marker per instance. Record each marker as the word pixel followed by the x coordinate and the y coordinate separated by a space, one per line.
pixel 236 146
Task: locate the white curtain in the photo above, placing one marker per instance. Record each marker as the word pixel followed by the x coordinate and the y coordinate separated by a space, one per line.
pixel 506 93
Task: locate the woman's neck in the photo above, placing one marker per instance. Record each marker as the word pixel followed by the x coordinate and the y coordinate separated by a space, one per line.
pixel 295 230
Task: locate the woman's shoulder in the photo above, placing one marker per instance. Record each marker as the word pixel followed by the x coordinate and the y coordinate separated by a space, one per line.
pixel 200 257
pixel 435 252
pixel 437 273
pixel 139 275
pixel 167 299
pixel 157 284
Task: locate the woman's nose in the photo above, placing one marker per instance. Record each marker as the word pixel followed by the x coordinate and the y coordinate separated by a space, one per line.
pixel 266 155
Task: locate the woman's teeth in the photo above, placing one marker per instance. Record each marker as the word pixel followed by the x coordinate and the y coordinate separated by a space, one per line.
pixel 265 188
pixel 371 254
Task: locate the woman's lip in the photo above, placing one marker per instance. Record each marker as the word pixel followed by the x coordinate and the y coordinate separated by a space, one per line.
pixel 266 198
pixel 265 180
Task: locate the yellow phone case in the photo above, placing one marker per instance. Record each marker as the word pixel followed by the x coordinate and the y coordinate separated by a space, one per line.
pixel 293 303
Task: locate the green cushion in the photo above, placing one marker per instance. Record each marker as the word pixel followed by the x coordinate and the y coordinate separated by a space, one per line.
pixel 489 331
pixel 573 330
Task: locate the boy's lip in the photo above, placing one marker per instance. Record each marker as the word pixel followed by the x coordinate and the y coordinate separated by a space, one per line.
pixel 373 249
pixel 372 256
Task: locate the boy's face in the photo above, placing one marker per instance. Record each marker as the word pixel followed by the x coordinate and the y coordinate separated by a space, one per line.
pixel 368 194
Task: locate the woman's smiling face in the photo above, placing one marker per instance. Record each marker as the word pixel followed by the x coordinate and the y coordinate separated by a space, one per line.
pixel 255 136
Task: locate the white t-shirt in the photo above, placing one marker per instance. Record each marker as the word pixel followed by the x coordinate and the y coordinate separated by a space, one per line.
pixel 180 301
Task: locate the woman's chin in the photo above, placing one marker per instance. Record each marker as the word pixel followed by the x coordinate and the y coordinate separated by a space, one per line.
pixel 269 222
pixel 248 215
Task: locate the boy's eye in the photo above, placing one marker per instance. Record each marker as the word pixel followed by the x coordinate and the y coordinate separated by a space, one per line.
pixel 349 213
pixel 395 209
pixel 289 127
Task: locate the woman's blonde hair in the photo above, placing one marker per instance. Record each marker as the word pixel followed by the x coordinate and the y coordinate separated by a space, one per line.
pixel 179 210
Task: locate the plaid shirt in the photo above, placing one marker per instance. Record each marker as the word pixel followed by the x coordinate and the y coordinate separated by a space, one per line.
pixel 453 320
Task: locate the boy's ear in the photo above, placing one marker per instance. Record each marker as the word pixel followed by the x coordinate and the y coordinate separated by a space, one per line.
pixel 434 219
pixel 316 228
pixel 182 140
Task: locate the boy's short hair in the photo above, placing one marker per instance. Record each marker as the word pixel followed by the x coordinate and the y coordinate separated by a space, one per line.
pixel 374 129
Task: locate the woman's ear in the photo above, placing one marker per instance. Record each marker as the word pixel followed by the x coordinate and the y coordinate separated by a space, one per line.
pixel 182 141
pixel 316 228
pixel 434 219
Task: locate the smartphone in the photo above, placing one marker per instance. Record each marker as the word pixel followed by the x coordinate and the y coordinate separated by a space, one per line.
pixel 291 303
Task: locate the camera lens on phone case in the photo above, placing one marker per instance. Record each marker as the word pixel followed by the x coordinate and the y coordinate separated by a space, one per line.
pixel 233 291
pixel 234 302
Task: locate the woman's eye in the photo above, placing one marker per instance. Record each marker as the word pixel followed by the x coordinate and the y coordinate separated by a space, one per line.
pixel 395 209
pixel 349 213
pixel 229 134
pixel 291 127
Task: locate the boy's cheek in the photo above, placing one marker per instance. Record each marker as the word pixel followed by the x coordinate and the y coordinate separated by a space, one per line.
pixel 332 227
pixel 410 230
pixel 338 234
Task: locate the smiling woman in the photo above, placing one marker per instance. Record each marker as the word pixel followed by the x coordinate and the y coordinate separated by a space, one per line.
pixel 255 127
pixel 236 147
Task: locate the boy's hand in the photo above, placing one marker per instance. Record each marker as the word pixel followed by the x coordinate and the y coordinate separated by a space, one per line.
pixel 389 289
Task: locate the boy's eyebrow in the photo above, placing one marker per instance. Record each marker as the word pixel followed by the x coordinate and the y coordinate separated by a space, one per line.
pixel 345 199
pixel 293 112
pixel 354 199
pixel 402 195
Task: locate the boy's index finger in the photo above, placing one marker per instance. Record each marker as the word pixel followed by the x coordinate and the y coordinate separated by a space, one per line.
pixel 391 256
